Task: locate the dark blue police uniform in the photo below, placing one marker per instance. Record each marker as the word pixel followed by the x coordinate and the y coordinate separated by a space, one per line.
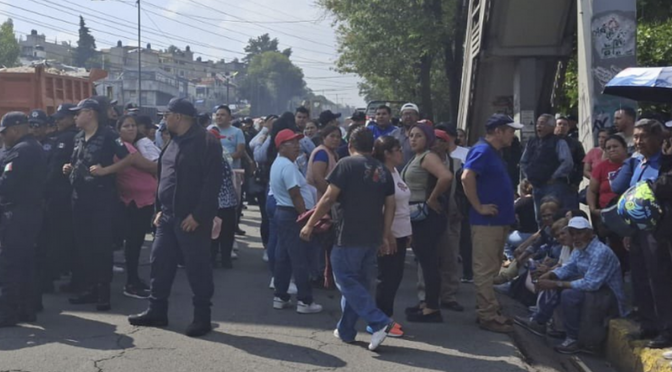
pixel 58 223
pixel 21 200
pixel 93 201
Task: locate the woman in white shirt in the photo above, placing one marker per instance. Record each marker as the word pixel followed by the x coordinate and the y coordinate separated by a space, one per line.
pixel 391 267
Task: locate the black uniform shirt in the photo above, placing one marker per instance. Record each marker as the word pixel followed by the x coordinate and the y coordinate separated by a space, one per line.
pixel 60 145
pixel 101 149
pixel 168 181
pixel 23 174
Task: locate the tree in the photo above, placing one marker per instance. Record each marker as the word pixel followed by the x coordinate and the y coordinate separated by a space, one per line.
pixel 262 44
pixel 403 51
pixel 86 45
pixel 9 46
pixel 272 81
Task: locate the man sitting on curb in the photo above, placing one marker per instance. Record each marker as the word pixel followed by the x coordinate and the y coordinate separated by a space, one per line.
pixel 592 272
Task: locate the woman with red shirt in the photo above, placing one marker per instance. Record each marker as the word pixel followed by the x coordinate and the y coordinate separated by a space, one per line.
pixel 600 195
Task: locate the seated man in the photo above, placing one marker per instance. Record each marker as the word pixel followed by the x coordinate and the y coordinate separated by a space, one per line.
pixel 592 269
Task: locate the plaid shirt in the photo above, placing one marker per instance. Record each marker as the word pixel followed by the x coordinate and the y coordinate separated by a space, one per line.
pixel 227 194
pixel 591 268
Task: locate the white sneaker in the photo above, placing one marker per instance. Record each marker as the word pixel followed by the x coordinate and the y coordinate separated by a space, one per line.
pixel 668 355
pixel 313 308
pixel 292 290
pixel 378 337
pixel 279 304
pixel 117 269
pixel 234 255
pixel 265 258
pixel 272 284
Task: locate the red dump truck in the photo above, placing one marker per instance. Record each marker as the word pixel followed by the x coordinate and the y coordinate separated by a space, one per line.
pixel 24 89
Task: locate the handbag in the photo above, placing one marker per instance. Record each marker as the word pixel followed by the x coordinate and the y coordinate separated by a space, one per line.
pixel 419 211
pixel 322 226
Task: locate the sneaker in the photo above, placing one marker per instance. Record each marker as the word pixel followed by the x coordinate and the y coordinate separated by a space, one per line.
pixel 292 290
pixel 466 280
pixel 531 325
pixel 395 332
pixel 235 246
pixel 421 317
pixel 554 333
pixel 569 346
pixel 279 303
pixel 234 255
pixel 117 269
pixel 495 326
pixel 338 336
pixel 271 285
pixel 265 257
pixel 378 337
pixel 668 355
pixel 136 291
pixel 311 308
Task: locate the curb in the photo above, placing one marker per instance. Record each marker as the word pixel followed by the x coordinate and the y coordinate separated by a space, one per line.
pixel 627 355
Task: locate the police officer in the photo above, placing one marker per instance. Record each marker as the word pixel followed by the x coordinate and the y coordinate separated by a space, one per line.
pixel 21 196
pixel 190 176
pixel 58 219
pixel 38 121
pixel 93 200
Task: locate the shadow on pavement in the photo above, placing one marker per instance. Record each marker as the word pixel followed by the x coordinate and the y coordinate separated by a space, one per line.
pixel 70 330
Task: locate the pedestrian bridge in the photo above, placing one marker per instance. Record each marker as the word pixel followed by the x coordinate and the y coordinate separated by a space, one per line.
pixel 514 49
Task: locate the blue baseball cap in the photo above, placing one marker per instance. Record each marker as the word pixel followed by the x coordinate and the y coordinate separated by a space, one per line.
pixel 498 120
pixel 63 111
pixel 11 119
pixel 87 104
pixel 181 106
pixel 37 118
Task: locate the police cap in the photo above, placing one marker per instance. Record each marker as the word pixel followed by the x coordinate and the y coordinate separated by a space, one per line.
pixel 37 118
pixel 12 119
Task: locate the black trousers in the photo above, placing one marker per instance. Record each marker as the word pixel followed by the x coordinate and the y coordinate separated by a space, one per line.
pixel 92 214
pixel 426 236
pixel 59 254
pixel 19 227
pixel 390 274
pixel 137 221
pixel 651 268
pixel 171 244
pixel 224 243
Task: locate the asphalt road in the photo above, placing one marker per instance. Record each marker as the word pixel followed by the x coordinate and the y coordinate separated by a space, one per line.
pixel 250 335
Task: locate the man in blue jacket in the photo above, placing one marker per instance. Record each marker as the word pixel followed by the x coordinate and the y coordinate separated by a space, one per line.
pixel 190 176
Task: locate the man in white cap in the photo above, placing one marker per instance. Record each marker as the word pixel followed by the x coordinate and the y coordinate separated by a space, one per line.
pixel 410 114
pixel 592 270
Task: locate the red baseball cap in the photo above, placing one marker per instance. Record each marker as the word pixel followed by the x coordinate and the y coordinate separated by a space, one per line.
pixel 442 135
pixel 286 135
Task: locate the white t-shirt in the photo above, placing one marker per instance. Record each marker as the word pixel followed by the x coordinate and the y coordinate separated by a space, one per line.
pixel 564 255
pixel 148 149
pixel 460 153
pixel 401 226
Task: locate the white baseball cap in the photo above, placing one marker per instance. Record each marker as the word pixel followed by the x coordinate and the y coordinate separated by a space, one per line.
pixel 410 106
pixel 579 223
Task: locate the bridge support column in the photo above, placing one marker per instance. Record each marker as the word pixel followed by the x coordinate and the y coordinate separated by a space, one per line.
pixel 607 44
pixel 525 95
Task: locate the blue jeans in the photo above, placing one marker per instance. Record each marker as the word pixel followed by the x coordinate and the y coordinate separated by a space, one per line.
pixel 571 301
pixel 354 270
pixel 558 190
pixel 516 238
pixel 292 256
pixel 272 232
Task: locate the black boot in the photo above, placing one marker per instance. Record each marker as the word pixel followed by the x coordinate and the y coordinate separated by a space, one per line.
pixel 88 297
pixel 149 318
pixel 201 324
pixel 103 301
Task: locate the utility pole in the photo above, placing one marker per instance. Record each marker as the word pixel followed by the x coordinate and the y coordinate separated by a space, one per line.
pixel 139 61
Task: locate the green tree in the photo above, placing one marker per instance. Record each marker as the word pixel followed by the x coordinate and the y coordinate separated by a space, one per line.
pixel 86 46
pixel 262 44
pixel 9 46
pixel 403 50
pixel 272 82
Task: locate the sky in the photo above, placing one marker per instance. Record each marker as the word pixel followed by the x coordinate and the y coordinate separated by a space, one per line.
pixel 214 29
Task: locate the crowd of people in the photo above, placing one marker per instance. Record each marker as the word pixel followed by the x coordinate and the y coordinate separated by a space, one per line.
pixel 341 204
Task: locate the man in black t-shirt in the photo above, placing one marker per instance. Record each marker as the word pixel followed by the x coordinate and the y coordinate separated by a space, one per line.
pixel 360 187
